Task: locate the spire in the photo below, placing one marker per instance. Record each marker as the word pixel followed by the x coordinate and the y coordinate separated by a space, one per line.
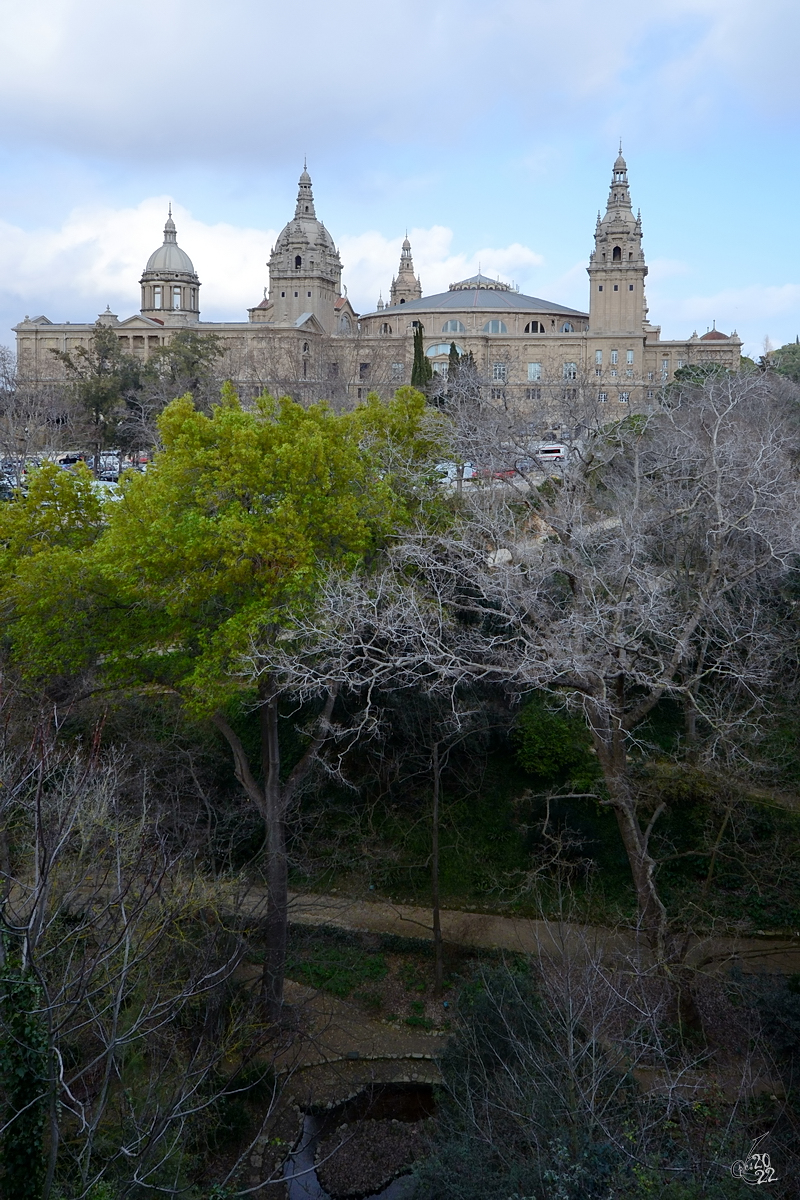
pixel 406 286
pixel 617 268
pixel 305 197
pixel 170 233
pixel 619 196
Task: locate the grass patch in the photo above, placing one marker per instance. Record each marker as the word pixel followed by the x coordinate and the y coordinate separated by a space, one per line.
pixel 333 963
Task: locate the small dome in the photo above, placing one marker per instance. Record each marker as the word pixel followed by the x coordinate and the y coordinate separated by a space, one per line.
pixel 406 244
pixel 169 256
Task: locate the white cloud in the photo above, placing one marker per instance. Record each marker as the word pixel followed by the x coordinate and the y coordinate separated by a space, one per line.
pixel 97 255
pixel 371 260
pixel 755 311
pixel 198 78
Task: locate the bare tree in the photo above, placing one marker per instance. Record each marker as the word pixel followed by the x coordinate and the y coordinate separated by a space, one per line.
pixel 131 959
pixel 566 1079
pixel 650 566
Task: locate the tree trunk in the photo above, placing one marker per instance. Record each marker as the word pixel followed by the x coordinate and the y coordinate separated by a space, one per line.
pixel 437 924
pixel 276 931
pixel 610 746
pixel 272 799
pixel 652 914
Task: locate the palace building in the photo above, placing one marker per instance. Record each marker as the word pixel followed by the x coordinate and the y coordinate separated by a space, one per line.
pixel 305 338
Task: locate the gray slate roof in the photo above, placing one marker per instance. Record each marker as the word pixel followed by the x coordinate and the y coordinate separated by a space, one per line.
pixel 483 299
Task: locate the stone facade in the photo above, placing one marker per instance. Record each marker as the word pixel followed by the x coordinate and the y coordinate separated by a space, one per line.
pixel 305 338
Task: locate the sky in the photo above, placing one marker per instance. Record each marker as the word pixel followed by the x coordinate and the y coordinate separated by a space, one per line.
pixel 486 129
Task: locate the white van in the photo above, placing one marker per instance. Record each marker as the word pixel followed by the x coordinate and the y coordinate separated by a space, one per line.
pixel 552 452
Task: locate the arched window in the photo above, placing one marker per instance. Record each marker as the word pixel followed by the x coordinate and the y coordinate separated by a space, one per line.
pixel 402 301
pixel 534 327
pixel 495 327
pixel 305 347
pixel 298 262
pixel 616 255
pixel 567 327
pixel 176 297
pixel 344 323
pixel 386 327
pixel 443 348
pixel 453 327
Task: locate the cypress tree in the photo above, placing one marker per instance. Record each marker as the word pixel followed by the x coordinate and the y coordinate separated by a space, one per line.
pixel 422 371
pixel 454 361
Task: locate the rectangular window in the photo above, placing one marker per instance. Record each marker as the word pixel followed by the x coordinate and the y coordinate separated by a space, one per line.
pixel 614 357
pixel 398 370
pixel 363 370
pixel 650 394
pixel 598 358
pixel 600 288
pixel 176 297
pixel 499 372
pixel 629 357
pixel 664 368
pixel 650 375
pixel 613 372
pixel 616 287
pixel 156 297
pixel 533 393
pixel 629 372
pixel 630 287
pixel 598 370
pixel 361 393
pixel 440 368
pixel 680 363
pixel 570 393
pixel 602 397
pixel 624 397
pixel 534 371
pixel 498 393
pixel 333 370
pixel 570 370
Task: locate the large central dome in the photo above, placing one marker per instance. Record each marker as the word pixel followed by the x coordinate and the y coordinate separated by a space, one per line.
pixel 304 227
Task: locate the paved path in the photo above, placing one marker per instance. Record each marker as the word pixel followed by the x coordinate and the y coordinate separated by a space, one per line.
pixel 527 936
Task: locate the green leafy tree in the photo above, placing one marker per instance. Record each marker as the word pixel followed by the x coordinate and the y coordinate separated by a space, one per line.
pixel 210 556
pixel 186 362
pixel 421 371
pixel 552 743
pixel 103 378
pixel 697 375
pixel 786 361
pixel 24 1084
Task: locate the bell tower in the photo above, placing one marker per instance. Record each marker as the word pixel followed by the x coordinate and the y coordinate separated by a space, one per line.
pixel 305 271
pixel 406 286
pixel 617 268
